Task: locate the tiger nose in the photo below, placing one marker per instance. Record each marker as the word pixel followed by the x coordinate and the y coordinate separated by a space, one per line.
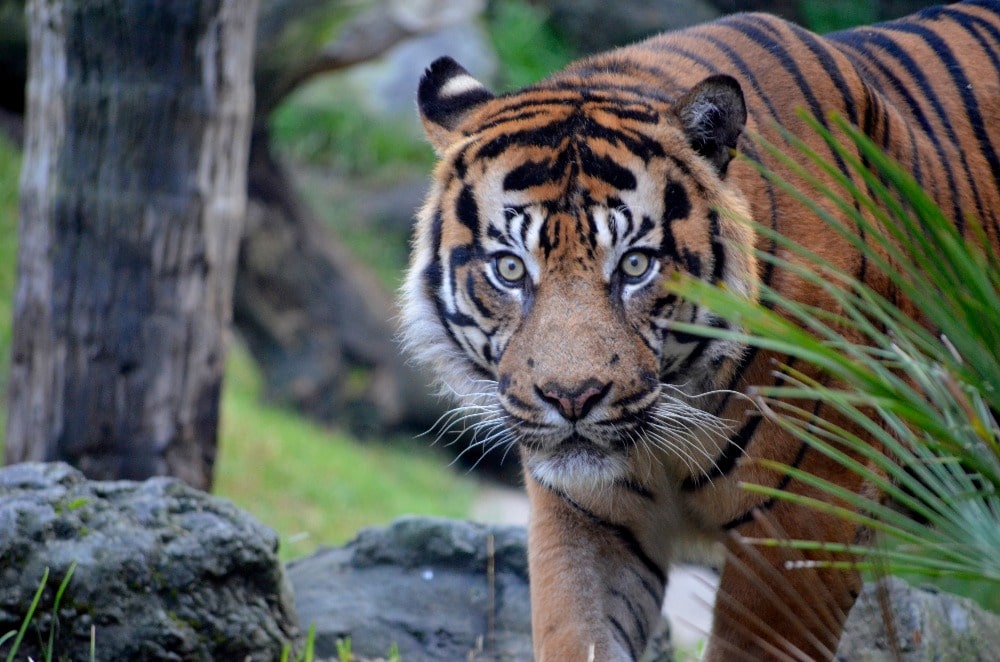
pixel 573 402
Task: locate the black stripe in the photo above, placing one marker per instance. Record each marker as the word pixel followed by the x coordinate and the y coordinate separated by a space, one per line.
pixel 622 533
pixel 969 102
pixel 727 460
pixel 718 248
pixel 633 653
pixel 646 226
pixel 699 349
pixel 737 522
pixel 534 173
pixel 635 488
pixel 859 41
pixel 676 205
pixel 661 303
pixel 783 483
pixel 655 593
pixel 605 168
pixel 467 211
pixel 470 291
pixel 637 618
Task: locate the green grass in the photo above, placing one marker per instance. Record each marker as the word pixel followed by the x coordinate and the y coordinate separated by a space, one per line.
pixel 317 486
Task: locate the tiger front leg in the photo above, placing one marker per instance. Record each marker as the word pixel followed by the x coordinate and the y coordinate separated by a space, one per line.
pixel 595 592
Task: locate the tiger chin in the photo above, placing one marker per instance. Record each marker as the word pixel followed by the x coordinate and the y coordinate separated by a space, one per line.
pixel 536 291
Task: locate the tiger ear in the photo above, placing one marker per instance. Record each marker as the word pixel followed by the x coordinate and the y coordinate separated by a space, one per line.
pixel 713 114
pixel 447 94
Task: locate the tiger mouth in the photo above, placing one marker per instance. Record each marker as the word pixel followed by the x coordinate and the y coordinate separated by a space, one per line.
pixel 576 463
pixel 605 436
pixel 575 445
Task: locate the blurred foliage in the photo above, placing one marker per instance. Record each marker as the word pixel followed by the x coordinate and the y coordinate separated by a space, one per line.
pixel 527 45
pixel 829 15
pixel 380 244
pixel 326 123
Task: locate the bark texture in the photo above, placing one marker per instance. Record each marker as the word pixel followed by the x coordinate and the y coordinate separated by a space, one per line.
pixel 133 198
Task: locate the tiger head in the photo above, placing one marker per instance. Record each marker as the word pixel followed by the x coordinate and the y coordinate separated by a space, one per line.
pixel 536 284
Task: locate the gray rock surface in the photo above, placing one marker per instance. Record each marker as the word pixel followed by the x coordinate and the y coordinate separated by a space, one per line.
pixel 423 585
pixel 163 571
pixel 437 589
pixel 926 624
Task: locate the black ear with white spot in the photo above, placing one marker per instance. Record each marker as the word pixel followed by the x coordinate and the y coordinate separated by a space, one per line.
pixel 447 94
pixel 713 114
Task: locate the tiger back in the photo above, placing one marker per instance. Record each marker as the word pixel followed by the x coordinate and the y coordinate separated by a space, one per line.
pixel 535 290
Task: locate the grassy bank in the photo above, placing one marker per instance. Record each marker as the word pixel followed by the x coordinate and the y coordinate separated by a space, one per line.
pixel 319 486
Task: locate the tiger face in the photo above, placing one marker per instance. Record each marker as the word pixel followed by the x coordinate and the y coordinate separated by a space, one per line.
pixel 537 282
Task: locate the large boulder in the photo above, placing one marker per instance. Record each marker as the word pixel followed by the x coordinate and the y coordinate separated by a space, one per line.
pixel 895 621
pixel 436 589
pixel 163 571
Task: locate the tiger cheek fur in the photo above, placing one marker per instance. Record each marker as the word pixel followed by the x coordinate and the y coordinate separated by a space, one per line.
pixel 535 291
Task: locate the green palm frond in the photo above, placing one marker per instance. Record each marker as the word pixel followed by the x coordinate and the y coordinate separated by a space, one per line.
pixel 926 392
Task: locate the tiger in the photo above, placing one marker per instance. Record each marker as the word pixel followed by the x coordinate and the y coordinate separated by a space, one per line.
pixel 536 293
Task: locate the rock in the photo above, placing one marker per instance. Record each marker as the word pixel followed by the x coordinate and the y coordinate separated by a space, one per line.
pixel 423 585
pixel 927 625
pixel 436 589
pixel 163 571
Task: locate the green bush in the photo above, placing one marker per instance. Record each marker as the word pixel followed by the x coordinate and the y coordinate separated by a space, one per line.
pixel 828 15
pixel 528 48
pixel 326 124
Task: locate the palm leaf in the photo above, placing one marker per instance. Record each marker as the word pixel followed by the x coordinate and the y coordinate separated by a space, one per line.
pixel 924 392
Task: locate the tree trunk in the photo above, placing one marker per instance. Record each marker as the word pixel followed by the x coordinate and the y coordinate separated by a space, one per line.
pixel 133 196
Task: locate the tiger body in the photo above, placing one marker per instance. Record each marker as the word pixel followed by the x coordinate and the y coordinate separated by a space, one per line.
pixel 535 290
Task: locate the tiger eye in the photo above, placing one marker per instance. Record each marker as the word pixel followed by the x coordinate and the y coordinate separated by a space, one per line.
pixel 509 267
pixel 634 264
